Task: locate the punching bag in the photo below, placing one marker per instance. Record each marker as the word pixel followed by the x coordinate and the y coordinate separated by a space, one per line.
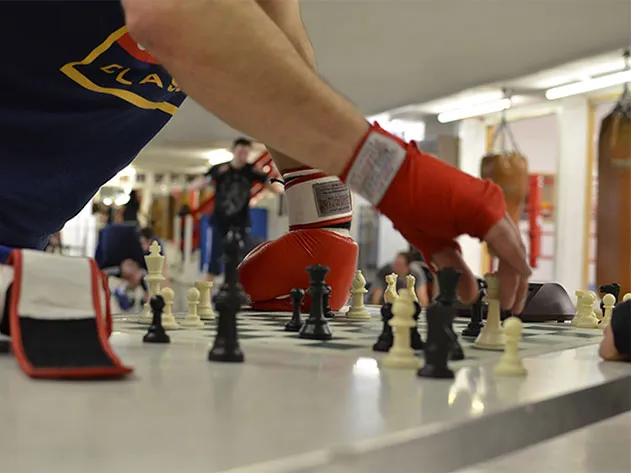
pixel 509 170
pixel 613 220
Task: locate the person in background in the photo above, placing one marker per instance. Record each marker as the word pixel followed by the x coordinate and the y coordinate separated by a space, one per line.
pixel 232 182
pixel 133 278
pixel 616 344
pixel 129 211
pixel 401 267
pixel 418 265
pixel 147 237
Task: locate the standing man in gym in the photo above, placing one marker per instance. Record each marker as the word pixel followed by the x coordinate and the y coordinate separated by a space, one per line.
pixel 232 182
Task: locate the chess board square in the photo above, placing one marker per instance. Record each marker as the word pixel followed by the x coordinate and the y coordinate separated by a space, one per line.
pixel 583 335
pixel 248 336
pixel 333 345
pixel 545 328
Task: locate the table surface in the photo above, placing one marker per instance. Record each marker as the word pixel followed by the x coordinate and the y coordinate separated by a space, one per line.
pixel 600 448
pixel 179 412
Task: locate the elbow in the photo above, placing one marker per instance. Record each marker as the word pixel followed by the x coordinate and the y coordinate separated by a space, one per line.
pixel 152 24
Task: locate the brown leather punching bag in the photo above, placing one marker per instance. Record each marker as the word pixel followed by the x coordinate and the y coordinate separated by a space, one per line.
pixel 613 254
pixel 508 170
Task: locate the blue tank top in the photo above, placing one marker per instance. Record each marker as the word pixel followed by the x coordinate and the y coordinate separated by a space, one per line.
pixel 80 98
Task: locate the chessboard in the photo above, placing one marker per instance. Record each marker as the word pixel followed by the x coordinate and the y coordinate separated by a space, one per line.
pixel 355 337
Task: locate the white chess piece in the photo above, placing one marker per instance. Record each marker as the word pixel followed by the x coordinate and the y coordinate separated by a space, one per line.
pixel 205 308
pixel 155 263
pixel 579 296
pixel 357 310
pixel 401 354
pixel 410 282
pixel 627 297
pixel 192 319
pixel 510 363
pixel 168 321
pixel 609 301
pixel 492 337
pixel 391 291
pixel 586 316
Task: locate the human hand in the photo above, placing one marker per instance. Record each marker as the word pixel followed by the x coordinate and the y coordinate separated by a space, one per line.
pixel 504 241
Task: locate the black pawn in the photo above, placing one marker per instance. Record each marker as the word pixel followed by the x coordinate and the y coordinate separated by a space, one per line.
pixel 328 313
pixel 295 324
pixel 156 333
pixel 478 311
pixel 416 342
pixel 228 303
pixel 316 326
pixel 448 279
pixel 438 344
pixel 386 337
pixel 442 342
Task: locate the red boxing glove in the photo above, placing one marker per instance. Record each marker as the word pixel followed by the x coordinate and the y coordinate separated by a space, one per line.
pixel 316 204
pixel 430 202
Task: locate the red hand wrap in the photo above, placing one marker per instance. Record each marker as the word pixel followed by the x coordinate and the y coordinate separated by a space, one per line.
pixel 430 202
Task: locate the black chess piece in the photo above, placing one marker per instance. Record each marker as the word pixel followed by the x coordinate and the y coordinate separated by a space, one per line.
pixel 295 324
pixel 441 340
pixel 156 333
pixel 5 346
pixel 328 313
pixel 416 342
pixel 438 344
pixel 386 337
pixel 448 279
pixel 316 327
pixel 228 302
pixel 613 289
pixel 478 311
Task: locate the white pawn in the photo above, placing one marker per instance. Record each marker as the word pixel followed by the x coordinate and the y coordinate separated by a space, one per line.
pixel 192 319
pixel 627 297
pixel 205 307
pixel 168 321
pixel 410 282
pixel 391 291
pixel 579 297
pixel 357 310
pixel 510 363
pixel 609 302
pixel 401 354
pixel 586 316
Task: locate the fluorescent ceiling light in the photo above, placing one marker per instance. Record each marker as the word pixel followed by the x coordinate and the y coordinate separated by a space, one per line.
pixel 474 111
pixel 590 85
pixel 218 156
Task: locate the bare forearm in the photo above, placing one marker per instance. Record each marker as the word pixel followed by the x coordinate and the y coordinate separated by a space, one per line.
pixel 211 47
pixel 286 15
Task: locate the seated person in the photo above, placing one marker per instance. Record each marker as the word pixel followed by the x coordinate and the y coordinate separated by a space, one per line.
pixel 400 266
pixel 132 276
pixel 147 237
pixel 616 344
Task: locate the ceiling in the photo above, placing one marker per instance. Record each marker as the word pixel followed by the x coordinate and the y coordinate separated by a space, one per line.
pixel 384 54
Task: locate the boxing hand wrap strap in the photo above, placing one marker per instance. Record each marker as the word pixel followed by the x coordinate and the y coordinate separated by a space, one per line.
pixel 59 317
pixel 315 200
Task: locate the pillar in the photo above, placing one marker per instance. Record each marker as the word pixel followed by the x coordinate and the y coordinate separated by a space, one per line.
pixel 472 150
pixel 571 185
pixel 147 191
